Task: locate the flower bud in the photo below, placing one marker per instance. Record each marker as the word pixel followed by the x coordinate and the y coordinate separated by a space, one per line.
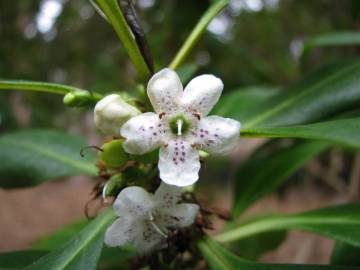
pixel 80 98
pixel 113 154
pixel 111 113
pixel 114 185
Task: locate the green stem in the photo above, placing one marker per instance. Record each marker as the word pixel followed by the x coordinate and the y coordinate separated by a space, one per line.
pixel 199 29
pixel 73 96
pixel 37 86
pixel 117 20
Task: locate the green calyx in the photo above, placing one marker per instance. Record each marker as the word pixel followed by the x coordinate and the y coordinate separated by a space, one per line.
pixel 113 154
pixel 179 124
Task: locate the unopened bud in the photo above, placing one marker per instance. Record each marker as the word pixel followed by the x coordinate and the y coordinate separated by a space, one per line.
pixel 80 98
pixel 113 186
pixel 111 113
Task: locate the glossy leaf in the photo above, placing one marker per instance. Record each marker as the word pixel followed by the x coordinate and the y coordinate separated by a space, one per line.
pixel 33 156
pixel 128 10
pixel 266 170
pixel 331 39
pixel 344 254
pixel 109 258
pixel 81 252
pixel 60 237
pixel 252 248
pixel 343 131
pixel 219 258
pixel 322 94
pixel 237 103
pixel 339 222
pixel 54 88
pixel 18 259
pixel 116 18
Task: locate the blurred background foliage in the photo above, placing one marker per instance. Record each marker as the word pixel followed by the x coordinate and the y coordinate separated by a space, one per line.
pixel 252 42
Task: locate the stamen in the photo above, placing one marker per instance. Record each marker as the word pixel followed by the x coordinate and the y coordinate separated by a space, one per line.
pixel 179 124
pixel 161 231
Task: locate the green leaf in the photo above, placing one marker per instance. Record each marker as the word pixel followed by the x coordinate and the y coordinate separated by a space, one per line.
pixel 33 156
pixel 344 254
pixel 219 258
pixel 110 257
pixel 237 103
pixel 37 86
pixel 252 248
pixel 344 131
pixel 266 170
pixel 339 222
pixel 116 18
pixel 331 39
pixel 18 259
pixel 196 33
pixel 60 236
pixel 322 94
pixel 81 252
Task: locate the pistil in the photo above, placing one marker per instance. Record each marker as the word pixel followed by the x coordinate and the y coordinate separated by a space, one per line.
pixel 179 124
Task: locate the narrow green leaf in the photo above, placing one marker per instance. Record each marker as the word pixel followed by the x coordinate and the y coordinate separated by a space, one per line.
pixel 60 237
pixel 199 29
pixel 237 103
pixel 110 258
pixel 114 14
pixel 339 222
pixel 32 156
pixel 19 259
pixel 265 171
pixel 252 248
pixel 329 91
pixel 37 86
pixel 344 254
pixel 344 131
pixel 219 258
pixel 81 252
pixel 331 39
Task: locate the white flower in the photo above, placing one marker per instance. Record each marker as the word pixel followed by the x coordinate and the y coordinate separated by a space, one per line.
pixel 180 126
pixel 144 218
pixel 111 113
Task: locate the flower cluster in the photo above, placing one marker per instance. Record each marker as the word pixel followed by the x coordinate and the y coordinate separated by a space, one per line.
pixel 144 218
pixel 180 127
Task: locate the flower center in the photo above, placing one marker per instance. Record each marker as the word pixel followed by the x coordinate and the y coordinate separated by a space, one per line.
pixel 179 125
pixel 158 227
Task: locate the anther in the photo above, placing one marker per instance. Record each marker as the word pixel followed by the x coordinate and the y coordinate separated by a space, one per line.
pixel 161 115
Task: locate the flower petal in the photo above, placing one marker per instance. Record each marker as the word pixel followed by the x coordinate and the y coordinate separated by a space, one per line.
pixel 148 239
pixel 111 113
pixel 202 93
pixel 133 201
pixel 166 196
pixel 164 90
pixel 143 133
pixel 217 134
pixel 179 163
pixel 181 215
pixel 121 232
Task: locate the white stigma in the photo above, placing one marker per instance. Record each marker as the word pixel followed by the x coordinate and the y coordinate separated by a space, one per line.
pixel 179 124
